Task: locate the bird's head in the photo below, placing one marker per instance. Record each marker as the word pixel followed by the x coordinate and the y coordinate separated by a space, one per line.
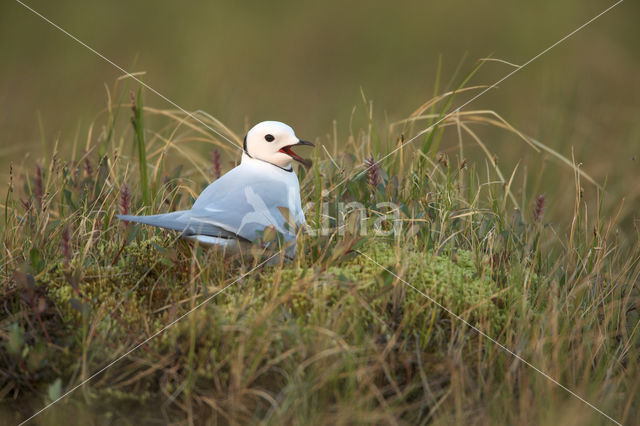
pixel 272 141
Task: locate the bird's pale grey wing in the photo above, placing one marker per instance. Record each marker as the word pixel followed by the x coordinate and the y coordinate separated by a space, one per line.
pixel 183 222
pixel 227 184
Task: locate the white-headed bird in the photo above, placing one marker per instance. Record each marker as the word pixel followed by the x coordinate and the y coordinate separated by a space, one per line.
pixel 262 192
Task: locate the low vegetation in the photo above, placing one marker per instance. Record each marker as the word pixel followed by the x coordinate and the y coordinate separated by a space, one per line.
pixel 331 337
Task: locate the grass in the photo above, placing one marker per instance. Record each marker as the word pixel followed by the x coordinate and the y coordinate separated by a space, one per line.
pixel 330 337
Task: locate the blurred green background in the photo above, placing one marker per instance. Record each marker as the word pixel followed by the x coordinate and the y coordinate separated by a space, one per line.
pixel 306 62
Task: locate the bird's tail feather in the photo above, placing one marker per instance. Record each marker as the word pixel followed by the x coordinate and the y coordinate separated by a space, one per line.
pixel 166 220
pixel 182 221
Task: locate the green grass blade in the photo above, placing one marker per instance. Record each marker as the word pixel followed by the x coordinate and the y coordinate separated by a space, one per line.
pixel 138 125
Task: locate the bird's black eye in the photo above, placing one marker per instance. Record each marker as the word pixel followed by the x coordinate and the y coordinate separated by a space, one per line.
pixel 269 138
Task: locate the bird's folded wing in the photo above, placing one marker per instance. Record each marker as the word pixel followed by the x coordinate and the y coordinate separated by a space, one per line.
pixel 250 209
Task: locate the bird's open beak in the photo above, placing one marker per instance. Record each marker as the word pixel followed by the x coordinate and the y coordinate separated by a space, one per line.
pixel 287 150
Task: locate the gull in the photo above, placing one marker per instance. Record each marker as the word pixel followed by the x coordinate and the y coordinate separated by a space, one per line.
pixel 237 209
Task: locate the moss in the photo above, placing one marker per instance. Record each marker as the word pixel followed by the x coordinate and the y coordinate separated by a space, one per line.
pixel 452 280
pixel 269 312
